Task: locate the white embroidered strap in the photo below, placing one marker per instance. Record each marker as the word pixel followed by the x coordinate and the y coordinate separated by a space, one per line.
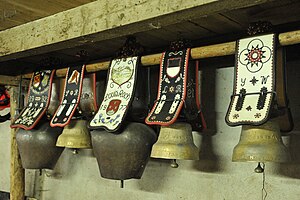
pixel 254 83
pixel 118 94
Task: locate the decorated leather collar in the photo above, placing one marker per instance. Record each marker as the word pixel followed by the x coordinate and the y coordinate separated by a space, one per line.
pixel 38 100
pixel 118 95
pixel 178 91
pixel 71 97
pixel 120 89
pixel 260 84
pixel 254 82
pixel 171 88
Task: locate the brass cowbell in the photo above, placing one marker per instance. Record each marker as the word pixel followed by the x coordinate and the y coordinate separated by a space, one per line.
pixel 261 144
pixel 175 142
pixel 75 135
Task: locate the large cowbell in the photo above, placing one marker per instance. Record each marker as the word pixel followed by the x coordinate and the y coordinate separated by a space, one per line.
pixel 37 146
pixel 175 142
pixel 261 144
pixel 125 155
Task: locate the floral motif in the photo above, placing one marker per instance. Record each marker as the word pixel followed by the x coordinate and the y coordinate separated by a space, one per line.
pixel 257 115
pixel 235 116
pixel 172 89
pixel 253 81
pixel 255 55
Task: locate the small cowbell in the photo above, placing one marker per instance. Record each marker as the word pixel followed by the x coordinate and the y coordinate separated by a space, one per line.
pixel 37 146
pixel 261 144
pixel 175 142
pixel 75 135
pixel 125 155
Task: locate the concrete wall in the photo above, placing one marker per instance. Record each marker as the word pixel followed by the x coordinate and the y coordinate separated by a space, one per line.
pixel 213 177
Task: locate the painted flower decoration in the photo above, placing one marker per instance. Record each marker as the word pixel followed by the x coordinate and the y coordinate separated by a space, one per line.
pixel 255 55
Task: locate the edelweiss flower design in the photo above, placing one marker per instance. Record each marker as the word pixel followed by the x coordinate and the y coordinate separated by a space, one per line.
pixel 255 55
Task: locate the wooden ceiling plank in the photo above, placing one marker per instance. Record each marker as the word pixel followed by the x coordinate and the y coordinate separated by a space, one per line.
pixel 32 6
pixel 86 24
pixel 222 49
pixel 213 25
pixel 26 11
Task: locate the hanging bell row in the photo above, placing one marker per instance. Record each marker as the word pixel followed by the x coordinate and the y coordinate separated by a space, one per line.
pixel 41 147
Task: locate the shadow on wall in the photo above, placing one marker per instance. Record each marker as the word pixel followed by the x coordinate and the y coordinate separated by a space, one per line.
pixel 208 160
pixel 292 169
pixel 161 169
pixel 65 166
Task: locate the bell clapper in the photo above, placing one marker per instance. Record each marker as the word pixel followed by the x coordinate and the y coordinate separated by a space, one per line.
pixel 259 169
pixel 174 163
pixel 75 151
pixel 122 184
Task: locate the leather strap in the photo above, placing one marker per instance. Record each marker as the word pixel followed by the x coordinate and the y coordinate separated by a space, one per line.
pixel 254 83
pixel 171 88
pixel 88 103
pixel 38 100
pixel 192 108
pixel 139 107
pixel 282 109
pixel 71 97
pixel 118 95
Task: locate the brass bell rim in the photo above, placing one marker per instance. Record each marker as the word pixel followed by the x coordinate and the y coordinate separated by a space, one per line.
pixel 80 140
pixel 280 156
pixel 261 144
pixel 182 153
pixel 175 142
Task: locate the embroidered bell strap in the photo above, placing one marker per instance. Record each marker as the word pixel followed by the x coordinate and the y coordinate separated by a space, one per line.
pixel 88 103
pixel 38 100
pixel 118 95
pixel 71 97
pixel 285 118
pixel 171 88
pixel 192 108
pixel 254 83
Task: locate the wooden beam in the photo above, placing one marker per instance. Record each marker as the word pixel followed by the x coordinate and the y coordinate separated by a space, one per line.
pixel 289 38
pixel 104 20
pixel 215 50
pixel 17 173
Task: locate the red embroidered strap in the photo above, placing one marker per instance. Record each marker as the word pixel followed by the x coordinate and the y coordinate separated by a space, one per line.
pixel 171 89
pixel 38 100
pixel 71 97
